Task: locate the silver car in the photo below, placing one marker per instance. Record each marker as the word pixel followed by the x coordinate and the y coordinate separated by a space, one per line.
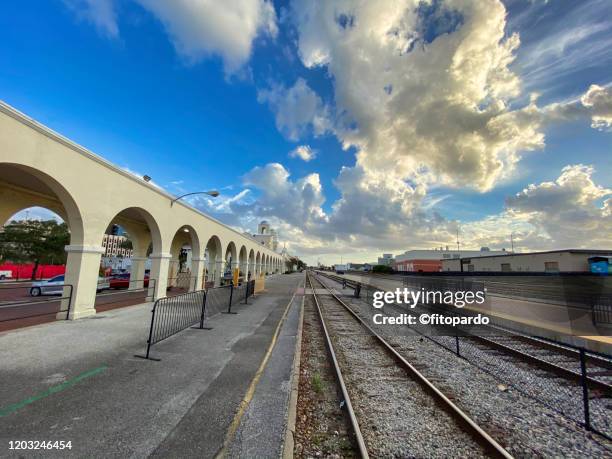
pixel 55 286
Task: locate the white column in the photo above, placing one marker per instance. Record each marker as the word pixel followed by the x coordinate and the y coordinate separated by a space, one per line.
pixel 235 265
pixel 197 266
pixel 159 272
pixel 137 273
pixel 219 268
pixel 82 270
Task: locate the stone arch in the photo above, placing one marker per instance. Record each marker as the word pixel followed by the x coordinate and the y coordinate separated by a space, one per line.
pixel 258 264
pixel 230 259
pixel 22 187
pixel 184 273
pixel 138 226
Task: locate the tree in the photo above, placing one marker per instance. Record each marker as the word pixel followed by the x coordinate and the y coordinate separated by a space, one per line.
pixel 294 261
pixel 382 269
pixel 34 241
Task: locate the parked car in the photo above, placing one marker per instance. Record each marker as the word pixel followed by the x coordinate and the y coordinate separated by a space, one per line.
pixel 55 286
pixel 123 281
pixel 6 274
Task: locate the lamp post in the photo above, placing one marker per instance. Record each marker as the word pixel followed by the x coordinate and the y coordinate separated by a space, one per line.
pixel 213 193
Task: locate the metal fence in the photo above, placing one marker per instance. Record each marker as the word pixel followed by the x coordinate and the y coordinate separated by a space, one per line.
pixel 572 290
pixel 22 305
pixel 598 304
pixel 579 389
pixel 173 314
pixel 126 293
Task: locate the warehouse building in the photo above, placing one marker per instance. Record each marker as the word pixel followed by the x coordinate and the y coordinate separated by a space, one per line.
pixel 553 261
pixel 431 260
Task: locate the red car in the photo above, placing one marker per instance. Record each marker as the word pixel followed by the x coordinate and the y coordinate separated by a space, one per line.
pixel 123 281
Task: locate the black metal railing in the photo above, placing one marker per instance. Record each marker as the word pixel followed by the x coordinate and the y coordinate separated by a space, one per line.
pixel 123 292
pixel 33 304
pixel 173 314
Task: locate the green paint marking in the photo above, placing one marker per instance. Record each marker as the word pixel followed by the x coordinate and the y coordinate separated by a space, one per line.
pixel 52 390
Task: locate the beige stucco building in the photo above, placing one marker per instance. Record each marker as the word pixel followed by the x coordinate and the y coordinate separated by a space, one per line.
pixel 39 167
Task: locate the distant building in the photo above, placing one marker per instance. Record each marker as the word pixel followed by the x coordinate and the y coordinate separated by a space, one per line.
pixel 266 236
pixel 386 259
pixel 114 246
pixel 553 261
pixel 431 260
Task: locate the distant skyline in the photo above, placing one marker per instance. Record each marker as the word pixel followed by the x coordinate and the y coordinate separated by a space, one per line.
pixel 355 128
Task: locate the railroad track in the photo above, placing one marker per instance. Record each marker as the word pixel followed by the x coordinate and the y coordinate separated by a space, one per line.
pixel 563 361
pixel 393 409
pixel 499 349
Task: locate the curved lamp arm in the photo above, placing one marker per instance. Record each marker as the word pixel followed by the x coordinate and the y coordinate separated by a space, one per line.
pixel 213 193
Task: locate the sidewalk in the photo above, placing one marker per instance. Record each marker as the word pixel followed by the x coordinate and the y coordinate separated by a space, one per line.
pixel 80 381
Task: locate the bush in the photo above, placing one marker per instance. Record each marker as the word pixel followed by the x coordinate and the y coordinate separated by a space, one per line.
pixel 382 269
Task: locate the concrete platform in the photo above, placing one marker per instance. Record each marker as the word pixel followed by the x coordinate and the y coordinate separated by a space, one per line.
pixel 80 381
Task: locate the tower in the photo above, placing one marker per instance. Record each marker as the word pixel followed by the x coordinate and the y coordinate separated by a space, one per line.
pixel 263 228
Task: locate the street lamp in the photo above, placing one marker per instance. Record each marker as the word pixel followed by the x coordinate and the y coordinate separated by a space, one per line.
pixel 213 193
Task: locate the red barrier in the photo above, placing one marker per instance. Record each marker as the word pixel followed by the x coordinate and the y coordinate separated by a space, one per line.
pixel 24 271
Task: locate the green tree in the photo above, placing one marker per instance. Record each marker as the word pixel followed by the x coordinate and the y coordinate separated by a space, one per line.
pixel 382 269
pixel 294 261
pixel 34 241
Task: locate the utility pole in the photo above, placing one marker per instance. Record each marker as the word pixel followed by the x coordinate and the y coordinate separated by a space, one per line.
pixel 458 244
pixel 512 241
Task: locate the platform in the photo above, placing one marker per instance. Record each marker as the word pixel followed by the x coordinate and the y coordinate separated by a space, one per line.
pixel 80 381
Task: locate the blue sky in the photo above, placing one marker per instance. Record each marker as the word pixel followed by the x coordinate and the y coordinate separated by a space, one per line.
pixel 197 99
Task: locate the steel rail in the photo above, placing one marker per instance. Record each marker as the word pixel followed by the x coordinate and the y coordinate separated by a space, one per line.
pixel 490 444
pixel 363 451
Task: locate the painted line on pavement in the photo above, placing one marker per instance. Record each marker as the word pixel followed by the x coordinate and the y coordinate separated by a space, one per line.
pixel 251 390
pixel 52 390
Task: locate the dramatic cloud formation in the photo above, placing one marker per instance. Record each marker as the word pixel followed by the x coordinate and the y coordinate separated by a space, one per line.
pixel 428 87
pixel 100 13
pixel 304 152
pixel 207 27
pixel 425 93
pixel 298 109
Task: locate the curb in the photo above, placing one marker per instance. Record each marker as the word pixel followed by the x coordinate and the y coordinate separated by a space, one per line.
pixel 289 442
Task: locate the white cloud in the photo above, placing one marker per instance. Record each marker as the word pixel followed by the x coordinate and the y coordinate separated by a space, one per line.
pixel 101 13
pixel 298 109
pixel 304 152
pixel 569 212
pixel 579 38
pixel 411 103
pixel 598 101
pixel 295 202
pixel 36 213
pixel 200 28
